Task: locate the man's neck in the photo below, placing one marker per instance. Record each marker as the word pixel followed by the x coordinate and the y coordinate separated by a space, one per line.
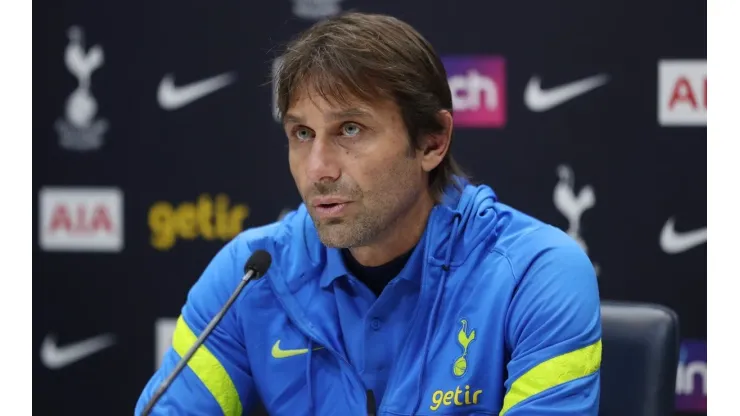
pixel 399 238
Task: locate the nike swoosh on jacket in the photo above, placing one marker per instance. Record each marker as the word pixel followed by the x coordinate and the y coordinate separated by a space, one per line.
pixel 507 322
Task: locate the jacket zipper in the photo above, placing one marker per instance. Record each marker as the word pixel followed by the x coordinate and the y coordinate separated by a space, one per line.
pixel 369 396
pixel 414 323
pixel 371 403
pixel 311 334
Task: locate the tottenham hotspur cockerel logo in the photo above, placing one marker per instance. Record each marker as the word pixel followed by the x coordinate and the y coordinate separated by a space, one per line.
pixel 464 338
pixel 79 130
pixel 573 205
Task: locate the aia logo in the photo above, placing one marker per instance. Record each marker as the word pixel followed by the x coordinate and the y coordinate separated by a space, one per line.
pixel 81 219
pixel 478 87
pixel 682 93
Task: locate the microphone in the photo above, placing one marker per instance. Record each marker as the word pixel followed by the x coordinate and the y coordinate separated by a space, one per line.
pixel 255 268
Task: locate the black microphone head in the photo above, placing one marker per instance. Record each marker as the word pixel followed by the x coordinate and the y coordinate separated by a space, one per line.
pixel 258 262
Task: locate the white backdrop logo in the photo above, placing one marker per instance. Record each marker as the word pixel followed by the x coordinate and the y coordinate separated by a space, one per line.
pixel 54 356
pixel 538 99
pixel 316 9
pixel 163 330
pixel 172 97
pixel 79 130
pixel 673 241
pixel 573 205
pixel 682 92
pixel 81 219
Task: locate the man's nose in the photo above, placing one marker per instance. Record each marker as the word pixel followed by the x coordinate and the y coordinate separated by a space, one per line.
pixel 322 164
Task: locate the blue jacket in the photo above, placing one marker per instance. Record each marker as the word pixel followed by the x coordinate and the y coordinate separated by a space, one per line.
pixel 494 313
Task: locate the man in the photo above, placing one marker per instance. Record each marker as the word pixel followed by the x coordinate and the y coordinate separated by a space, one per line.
pixel 398 287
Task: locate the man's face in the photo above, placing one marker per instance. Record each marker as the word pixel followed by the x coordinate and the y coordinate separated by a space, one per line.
pixel 353 166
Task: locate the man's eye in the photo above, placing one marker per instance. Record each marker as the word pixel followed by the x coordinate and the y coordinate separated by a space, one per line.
pixel 303 134
pixel 350 130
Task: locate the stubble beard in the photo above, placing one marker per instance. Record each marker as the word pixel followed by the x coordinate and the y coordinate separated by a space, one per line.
pixel 364 226
pixel 347 232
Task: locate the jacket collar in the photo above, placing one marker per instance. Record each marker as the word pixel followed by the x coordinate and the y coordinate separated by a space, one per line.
pixel 335 268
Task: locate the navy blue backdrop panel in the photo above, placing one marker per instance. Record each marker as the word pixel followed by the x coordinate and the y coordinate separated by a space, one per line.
pixel 155 143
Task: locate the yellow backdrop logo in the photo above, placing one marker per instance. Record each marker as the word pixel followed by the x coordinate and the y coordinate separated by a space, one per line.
pixel 206 218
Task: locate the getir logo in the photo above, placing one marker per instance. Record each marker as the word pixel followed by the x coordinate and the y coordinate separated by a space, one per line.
pixel 207 218
pixel 682 92
pixel 478 86
pixel 691 377
pixel 81 219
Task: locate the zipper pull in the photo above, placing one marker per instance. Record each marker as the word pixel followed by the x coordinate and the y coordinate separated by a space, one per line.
pixel 370 403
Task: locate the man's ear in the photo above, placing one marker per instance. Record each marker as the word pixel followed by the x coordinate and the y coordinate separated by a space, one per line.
pixel 436 145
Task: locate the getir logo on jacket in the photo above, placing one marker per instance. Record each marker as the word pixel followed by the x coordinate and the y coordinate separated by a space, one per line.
pixel 206 218
pixel 478 86
pixel 682 92
pixel 81 219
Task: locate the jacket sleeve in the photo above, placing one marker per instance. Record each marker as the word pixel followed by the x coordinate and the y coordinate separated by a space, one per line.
pixel 217 380
pixel 554 337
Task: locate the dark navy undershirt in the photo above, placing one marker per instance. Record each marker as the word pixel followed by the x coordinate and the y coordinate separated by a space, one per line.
pixel 376 278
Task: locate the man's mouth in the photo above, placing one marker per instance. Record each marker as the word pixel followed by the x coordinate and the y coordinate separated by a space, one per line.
pixel 331 209
pixel 329 205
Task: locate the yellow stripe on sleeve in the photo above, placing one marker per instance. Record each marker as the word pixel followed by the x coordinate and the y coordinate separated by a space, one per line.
pixel 208 369
pixel 553 372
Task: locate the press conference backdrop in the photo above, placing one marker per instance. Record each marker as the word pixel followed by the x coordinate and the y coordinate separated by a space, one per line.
pixel 155 143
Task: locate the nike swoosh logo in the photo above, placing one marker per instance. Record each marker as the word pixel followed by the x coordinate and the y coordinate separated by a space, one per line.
pixel 278 353
pixel 172 97
pixel 539 100
pixel 673 242
pixel 55 357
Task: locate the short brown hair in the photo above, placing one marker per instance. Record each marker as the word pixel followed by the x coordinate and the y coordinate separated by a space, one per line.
pixel 371 56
